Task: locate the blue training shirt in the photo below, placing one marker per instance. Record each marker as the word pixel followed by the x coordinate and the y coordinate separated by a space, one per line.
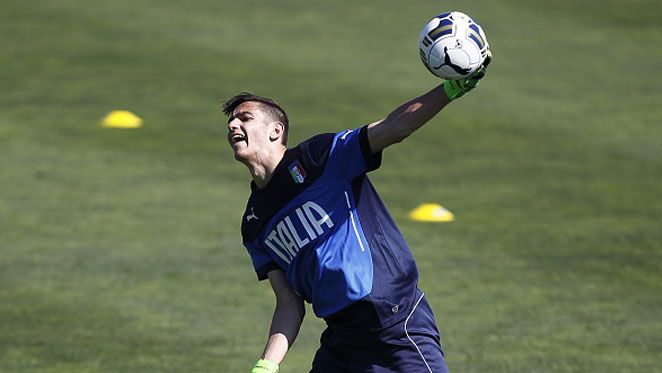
pixel 321 221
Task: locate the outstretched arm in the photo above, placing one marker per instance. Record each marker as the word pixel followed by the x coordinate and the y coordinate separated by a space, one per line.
pixel 412 115
pixel 406 119
pixel 285 324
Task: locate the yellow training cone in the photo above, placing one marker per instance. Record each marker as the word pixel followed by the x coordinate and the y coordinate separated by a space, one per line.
pixel 121 119
pixel 431 212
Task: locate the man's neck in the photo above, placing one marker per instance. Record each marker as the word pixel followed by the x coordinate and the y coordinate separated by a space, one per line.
pixel 262 168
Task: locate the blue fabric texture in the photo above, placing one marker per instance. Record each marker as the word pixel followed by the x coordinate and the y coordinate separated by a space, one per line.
pixel 322 222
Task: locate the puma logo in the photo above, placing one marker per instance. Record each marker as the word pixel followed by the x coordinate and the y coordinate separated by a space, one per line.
pixel 251 216
pixel 448 62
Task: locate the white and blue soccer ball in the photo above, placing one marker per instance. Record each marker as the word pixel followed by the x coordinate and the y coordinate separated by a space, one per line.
pixel 452 45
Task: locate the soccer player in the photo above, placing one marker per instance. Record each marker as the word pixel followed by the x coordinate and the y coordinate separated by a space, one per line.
pixel 316 228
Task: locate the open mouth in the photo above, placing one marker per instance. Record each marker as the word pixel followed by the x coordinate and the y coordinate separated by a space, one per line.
pixel 236 138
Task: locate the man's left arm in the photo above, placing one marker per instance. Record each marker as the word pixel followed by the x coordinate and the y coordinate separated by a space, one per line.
pixel 412 115
pixel 406 119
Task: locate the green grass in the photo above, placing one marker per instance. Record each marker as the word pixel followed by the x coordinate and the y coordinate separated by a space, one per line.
pixel 120 250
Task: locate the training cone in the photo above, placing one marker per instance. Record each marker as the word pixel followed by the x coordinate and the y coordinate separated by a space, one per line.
pixel 431 212
pixel 121 119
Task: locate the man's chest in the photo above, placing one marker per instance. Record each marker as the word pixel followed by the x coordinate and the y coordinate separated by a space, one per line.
pixel 285 189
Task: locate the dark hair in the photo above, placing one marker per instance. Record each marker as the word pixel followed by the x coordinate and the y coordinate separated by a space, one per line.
pixel 271 108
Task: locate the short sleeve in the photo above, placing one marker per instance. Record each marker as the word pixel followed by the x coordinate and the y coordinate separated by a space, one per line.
pixel 262 262
pixel 350 154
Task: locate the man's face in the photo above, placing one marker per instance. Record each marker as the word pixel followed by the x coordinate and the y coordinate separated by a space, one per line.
pixel 248 130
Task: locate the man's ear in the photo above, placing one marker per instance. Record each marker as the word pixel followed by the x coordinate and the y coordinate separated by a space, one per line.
pixel 277 131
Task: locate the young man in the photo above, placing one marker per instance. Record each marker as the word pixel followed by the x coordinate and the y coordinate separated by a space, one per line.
pixel 316 228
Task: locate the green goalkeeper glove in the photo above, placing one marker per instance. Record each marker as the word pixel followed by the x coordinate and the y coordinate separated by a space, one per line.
pixel 457 88
pixel 265 366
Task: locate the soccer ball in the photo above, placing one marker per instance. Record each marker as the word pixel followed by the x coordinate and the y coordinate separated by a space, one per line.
pixel 452 45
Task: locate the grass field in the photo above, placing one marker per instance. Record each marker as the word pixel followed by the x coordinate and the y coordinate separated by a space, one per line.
pixel 120 249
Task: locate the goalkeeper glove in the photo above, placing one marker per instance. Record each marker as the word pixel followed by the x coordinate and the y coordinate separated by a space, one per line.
pixel 457 88
pixel 265 366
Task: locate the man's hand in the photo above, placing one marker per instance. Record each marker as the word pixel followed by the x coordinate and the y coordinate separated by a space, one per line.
pixel 413 114
pixel 457 88
pixel 265 366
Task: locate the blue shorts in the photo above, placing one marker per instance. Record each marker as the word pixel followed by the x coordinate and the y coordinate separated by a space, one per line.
pixel 411 346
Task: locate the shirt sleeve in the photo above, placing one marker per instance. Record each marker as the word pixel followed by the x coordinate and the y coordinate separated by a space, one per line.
pixel 262 262
pixel 350 154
